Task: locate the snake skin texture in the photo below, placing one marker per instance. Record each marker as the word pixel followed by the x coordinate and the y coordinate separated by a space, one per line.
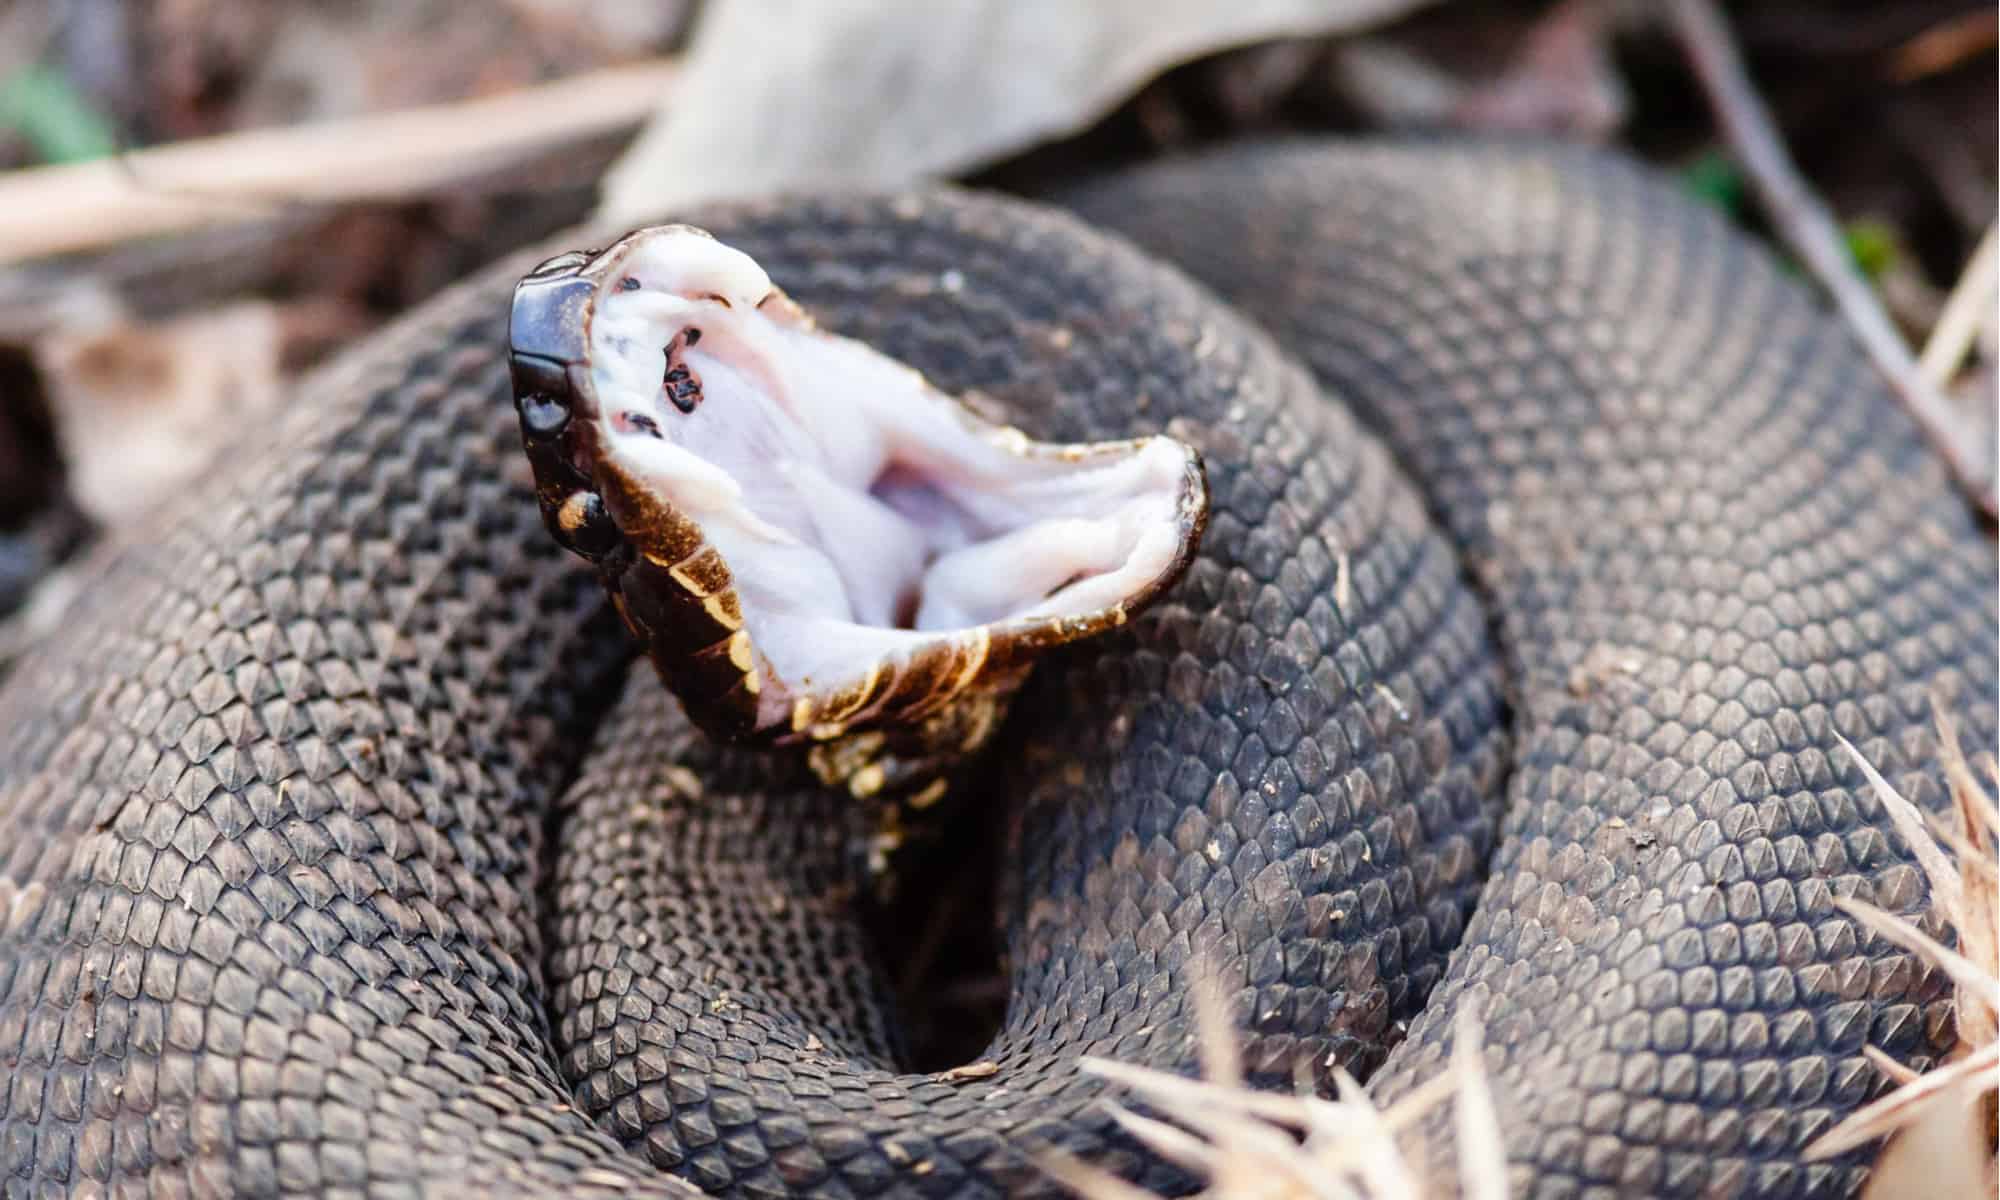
pixel 1710 541
pixel 333 862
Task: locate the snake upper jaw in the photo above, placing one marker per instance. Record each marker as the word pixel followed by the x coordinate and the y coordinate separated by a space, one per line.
pixel 810 539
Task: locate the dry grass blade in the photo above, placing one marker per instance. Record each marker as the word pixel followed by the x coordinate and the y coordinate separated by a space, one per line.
pixel 1418 1101
pixel 1976 842
pixel 1905 1104
pixel 1170 1142
pixel 1250 1145
pixel 1360 1144
pixel 1085 1180
pixel 1937 1128
pixel 1946 886
pixel 1483 1160
pixel 1973 981
pixel 1978 814
pixel 1215 1039
pixel 1957 327
pixel 1164 1090
pixel 1897 1072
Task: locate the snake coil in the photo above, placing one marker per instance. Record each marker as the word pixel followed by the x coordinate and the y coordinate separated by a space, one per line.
pixel 1509 670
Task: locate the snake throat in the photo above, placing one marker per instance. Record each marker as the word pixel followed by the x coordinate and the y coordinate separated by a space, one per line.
pixel 809 539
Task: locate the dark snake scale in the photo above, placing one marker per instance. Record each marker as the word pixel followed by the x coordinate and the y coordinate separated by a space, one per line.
pixel 332 863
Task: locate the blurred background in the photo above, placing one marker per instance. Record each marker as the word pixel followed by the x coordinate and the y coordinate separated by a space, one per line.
pixel 200 199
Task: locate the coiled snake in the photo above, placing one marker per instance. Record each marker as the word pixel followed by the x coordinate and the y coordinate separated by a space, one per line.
pixel 1509 668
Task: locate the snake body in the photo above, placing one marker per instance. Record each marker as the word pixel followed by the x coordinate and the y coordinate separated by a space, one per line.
pixel 329 865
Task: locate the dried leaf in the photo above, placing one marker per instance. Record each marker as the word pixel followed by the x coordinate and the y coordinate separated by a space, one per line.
pixel 781 94
pixel 142 408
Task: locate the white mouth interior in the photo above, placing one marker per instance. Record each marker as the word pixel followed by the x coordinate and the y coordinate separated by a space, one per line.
pixel 861 512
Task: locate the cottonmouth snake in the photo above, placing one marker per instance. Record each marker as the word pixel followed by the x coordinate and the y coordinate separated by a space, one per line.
pixel 297 894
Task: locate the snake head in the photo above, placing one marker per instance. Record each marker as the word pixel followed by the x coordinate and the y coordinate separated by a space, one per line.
pixel 810 541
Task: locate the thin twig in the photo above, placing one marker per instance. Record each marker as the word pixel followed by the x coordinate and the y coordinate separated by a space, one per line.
pixel 1806 226
pixel 49 210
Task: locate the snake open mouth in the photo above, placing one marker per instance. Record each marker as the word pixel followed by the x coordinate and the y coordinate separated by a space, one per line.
pixel 852 545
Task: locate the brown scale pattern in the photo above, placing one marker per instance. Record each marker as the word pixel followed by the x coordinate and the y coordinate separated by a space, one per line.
pixel 269 811
pixel 297 896
pixel 273 807
pixel 1223 780
pixel 1710 540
